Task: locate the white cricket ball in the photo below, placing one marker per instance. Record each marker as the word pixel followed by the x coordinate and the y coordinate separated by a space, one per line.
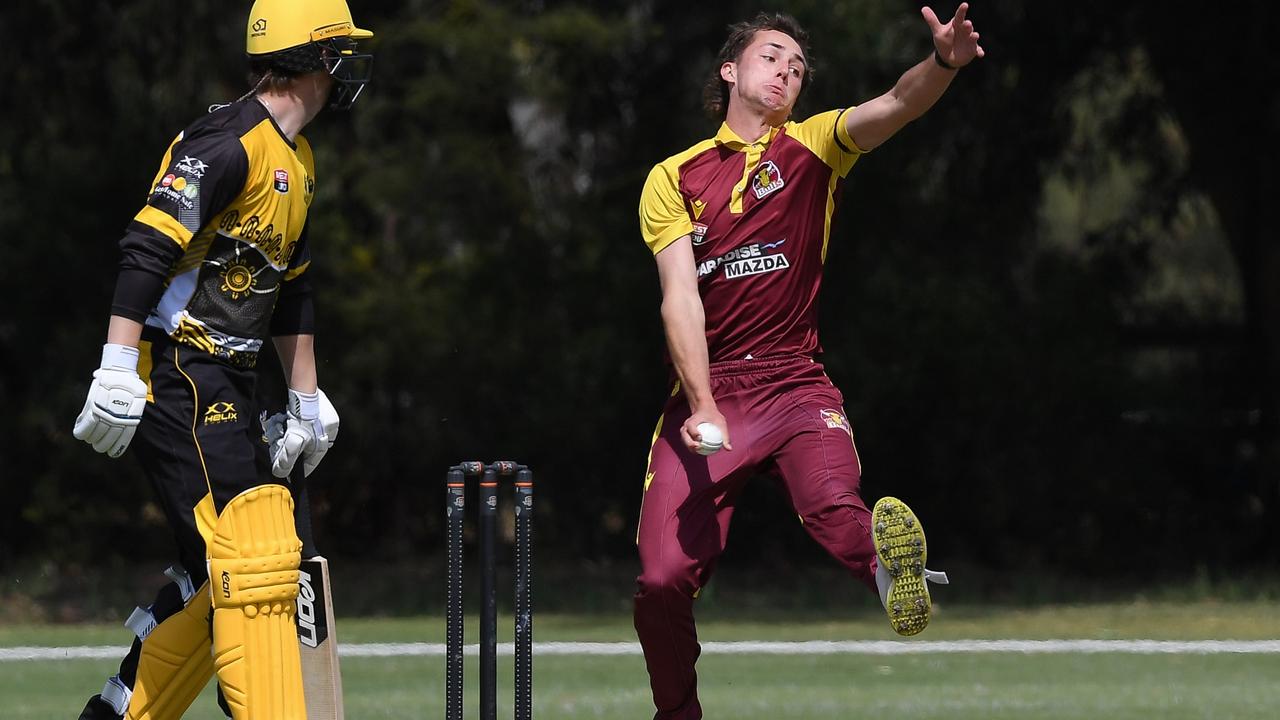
pixel 711 441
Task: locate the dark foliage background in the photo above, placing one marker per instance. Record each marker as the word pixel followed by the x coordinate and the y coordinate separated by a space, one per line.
pixel 1052 303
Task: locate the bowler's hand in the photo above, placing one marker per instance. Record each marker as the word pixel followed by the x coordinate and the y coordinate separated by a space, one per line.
pixel 689 430
pixel 957 41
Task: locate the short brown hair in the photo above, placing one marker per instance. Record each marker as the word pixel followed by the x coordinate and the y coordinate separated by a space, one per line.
pixel 715 94
pixel 279 69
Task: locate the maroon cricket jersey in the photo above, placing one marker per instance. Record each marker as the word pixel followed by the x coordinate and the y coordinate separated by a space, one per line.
pixel 759 216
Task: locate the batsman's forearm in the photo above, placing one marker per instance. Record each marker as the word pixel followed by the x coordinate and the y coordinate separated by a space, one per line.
pixel 298 359
pixel 123 331
pixel 685 323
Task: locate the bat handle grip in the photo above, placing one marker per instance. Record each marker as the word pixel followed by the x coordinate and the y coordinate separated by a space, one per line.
pixel 302 512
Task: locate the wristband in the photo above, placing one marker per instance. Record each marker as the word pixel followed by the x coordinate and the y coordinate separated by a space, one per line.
pixel 119 357
pixel 937 57
pixel 304 406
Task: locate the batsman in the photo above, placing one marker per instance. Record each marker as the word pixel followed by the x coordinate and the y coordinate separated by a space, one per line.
pixel 215 263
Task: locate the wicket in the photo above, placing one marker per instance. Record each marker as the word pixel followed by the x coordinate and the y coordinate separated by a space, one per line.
pixel 455 493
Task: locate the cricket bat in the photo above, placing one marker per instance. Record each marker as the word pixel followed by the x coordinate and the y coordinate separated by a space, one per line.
pixel 317 639
pixel 321 678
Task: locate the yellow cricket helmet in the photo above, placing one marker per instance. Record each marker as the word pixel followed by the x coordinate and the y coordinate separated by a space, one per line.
pixel 287 38
pixel 276 25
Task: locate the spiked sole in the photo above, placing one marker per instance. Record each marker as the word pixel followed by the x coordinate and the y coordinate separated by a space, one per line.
pixel 901 549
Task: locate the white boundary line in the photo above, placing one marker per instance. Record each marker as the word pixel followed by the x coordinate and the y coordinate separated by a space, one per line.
pixel 811 647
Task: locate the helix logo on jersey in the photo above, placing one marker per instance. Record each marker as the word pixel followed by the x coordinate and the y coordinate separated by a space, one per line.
pixel 746 260
pixel 220 412
pixel 836 420
pixel 281 180
pixel 766 180
pixel 195 167
pixel 259 27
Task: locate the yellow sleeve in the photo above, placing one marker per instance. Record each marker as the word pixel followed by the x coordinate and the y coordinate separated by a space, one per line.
pixel 663 216
pixel 827 137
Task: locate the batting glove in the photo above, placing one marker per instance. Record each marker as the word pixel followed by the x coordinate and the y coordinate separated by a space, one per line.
pixel 307 430
pixel 113 408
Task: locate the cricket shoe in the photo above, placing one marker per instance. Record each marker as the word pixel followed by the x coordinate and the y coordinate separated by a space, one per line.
pixel 901 576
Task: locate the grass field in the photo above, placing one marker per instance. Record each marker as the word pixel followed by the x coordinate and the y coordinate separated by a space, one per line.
pixel 950 685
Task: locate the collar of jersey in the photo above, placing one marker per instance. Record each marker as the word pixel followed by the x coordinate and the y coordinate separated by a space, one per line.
pixel 730 139
pixel 264 112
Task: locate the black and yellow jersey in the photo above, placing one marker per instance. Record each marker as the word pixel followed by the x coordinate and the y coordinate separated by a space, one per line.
pixel 222 238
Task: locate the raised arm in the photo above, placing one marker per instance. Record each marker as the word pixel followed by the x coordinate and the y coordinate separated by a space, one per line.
pixel 955 45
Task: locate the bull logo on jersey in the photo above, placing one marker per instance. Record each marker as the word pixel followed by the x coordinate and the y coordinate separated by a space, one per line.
pixel 767 179
pixel 836 420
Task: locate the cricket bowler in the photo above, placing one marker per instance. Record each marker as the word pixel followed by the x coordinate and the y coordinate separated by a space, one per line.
pixel 738 225
pixel 214 263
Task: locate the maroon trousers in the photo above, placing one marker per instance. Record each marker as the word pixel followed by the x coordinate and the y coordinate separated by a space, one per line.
pixel 784 416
